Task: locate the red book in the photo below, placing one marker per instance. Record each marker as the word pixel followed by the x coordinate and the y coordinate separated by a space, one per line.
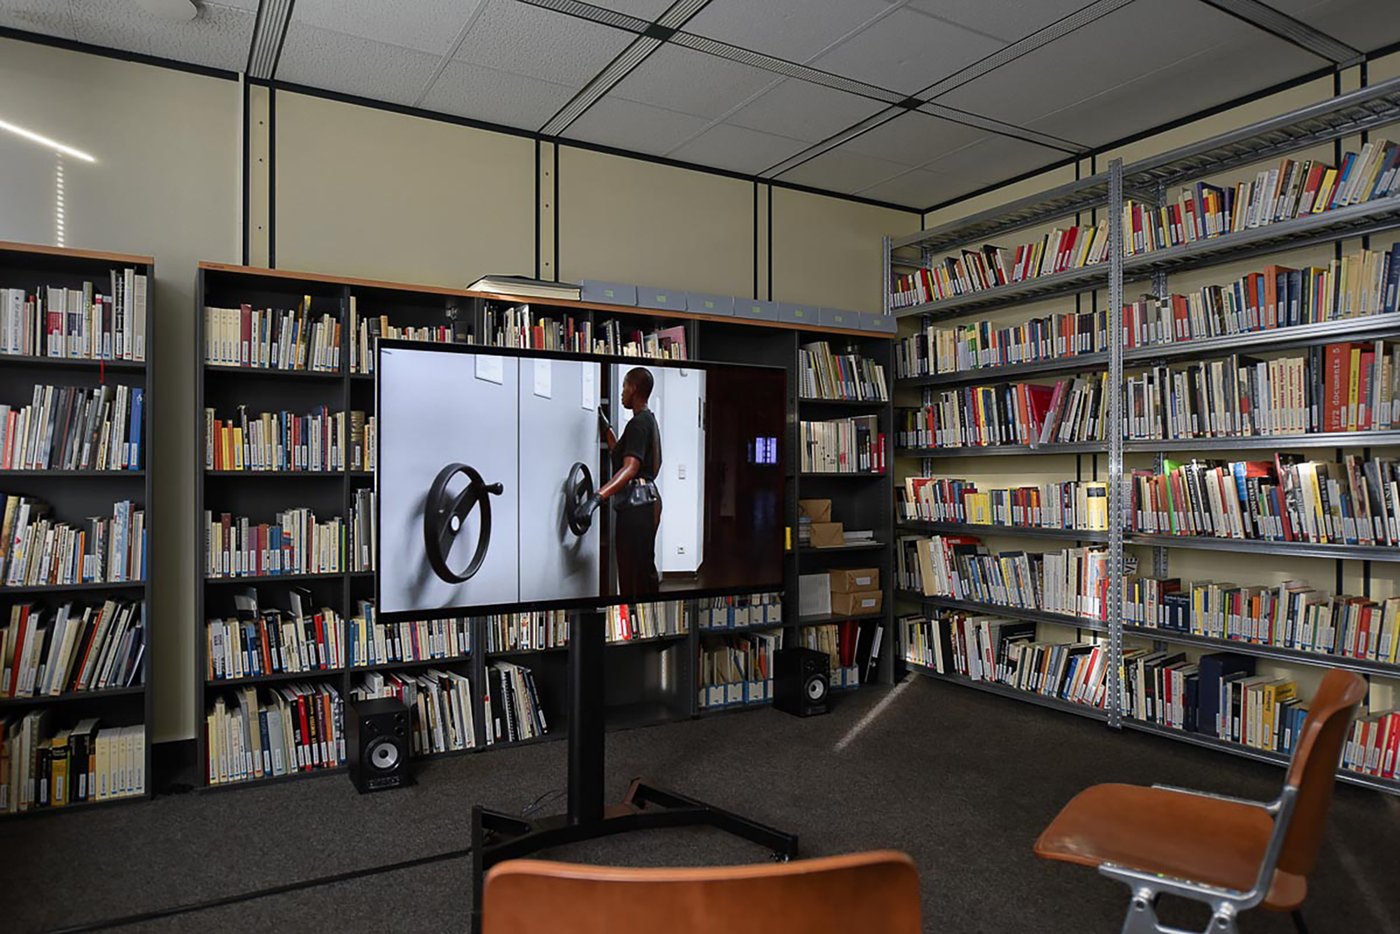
pixel 1181 317
pixel 264 647
pixel 318 624
pixel 305 739
pixel 19 650
pixel 1392 745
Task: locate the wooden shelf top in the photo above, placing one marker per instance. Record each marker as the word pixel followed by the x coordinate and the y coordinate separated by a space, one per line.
pixel 40 249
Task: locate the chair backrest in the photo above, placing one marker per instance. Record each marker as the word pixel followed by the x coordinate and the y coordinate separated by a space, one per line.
pixel 1313 770
pixel 874 893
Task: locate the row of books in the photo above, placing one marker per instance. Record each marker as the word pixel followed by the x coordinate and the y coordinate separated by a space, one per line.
pixel 1073 410
pixel 629 621
pixel 843 445
pixel 760 609
pixel 514 703
pixel 1291 615
pixel 984 344
pixel 320 440
pixel 527 632
pixel 522 326
pixel 74 428
pixel 254 733
pixel 56 321
pixel 847 376
pixel 620 338
pixel 372 641
pixel 272 339
pixel 1290 190
pixel 38 550
pixel 440 704
pixel 363 535
pixel 1068 504
pixel 1352 386
pixel 1288 499
pixel 841 643
pixel 736 669
pixel 1003 651
pixel 264 641
pixel 73 648
pixel 43 767
pixel 991 266
pixel 293 543
pixel 1071 582
pixel 366 330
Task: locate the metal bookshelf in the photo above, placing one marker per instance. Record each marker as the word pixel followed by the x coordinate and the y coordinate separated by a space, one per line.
pixel 1148 180
pixel 76 494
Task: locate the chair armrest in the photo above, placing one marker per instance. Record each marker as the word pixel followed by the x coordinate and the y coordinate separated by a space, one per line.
pixel 1271 807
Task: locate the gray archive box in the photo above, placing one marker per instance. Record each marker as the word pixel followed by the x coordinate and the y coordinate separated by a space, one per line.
pixel 884 324
pixel 711 304
pixel 608 293
pixel 838 318
pixel 798 314
pixel 660 298
pixel 752 308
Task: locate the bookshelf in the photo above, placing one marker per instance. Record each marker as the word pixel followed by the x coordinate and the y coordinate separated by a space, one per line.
pixel 649 680
pixel 1367 571
pixel 75 494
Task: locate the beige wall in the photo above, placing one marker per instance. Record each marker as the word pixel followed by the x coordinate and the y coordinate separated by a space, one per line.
pixel 165 183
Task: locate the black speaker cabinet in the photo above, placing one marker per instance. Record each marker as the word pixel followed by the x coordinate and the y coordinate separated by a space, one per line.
pixel 377 744
pixel 801 681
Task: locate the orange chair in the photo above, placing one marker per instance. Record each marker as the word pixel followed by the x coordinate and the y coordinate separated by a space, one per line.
pixel 874 893
pixel 1226 852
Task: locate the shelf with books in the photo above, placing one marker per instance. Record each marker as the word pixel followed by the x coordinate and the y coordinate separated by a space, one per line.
pixel 1256 546
pixel 312 674
pixel 1011 450
pixel 1071 363
pixel 22 361
pixel 71 697
pixel 1022 531
pixel 840 549
pixel 846 404
pixel 73 474
pixel 997 609
pixel 1005 690
pixel 1054 285
pixel 1280 653
pixel 825 619
pixel 1321 439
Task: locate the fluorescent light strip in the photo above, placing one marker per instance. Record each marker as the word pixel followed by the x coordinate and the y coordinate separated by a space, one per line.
pixel 601 84
pixel 1291 30
pixel 45 141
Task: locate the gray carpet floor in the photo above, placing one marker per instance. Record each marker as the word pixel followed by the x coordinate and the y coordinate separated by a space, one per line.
pixel 960 780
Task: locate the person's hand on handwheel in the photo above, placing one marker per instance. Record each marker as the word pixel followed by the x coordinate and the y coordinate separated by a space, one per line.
pixel 583 512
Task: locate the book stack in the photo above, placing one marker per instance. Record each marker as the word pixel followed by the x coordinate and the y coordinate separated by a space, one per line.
pixel 73 648
pixel 523 326
pixel 1030 414
pixel 618 338
pixel 375 642
pixel 628 622
pixel 272 641
pixel 272 339
pixel 367 331
pixel 978 270
pixel 279 441
pixel 848 376
pixel 1071 582
pixel 839 641
pixel 48 768
pixel 293 543
pixel 736 670
pixel 734 612
pixel 1290 190
pixel 1069 504
pixel 1288 499
pixel 55 321
pixel 440 703
pixel 978 345
pixel 74 428
pixel 252 734
pixel 843 445
pixel 514 704
pixel 363 536
pixel 527 632
pixel 37 550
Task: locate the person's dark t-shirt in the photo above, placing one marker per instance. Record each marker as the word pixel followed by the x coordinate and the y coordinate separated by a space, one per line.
pixel 640 439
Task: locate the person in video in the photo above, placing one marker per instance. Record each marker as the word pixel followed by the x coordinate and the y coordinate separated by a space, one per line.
pixel 636 460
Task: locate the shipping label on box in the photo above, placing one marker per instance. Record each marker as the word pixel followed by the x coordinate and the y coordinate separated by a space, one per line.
pixel 857 604
pixel 850 580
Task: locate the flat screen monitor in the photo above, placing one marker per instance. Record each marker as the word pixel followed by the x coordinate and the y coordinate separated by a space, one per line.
pixel 489 461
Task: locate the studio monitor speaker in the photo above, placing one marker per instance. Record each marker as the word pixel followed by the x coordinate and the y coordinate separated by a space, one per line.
pixel 801 681
pixel 377 744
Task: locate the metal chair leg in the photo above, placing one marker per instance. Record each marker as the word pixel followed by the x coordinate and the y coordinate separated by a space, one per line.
pixel 1297 915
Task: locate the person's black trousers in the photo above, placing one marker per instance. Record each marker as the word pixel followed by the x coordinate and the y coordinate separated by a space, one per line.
pixel 634 537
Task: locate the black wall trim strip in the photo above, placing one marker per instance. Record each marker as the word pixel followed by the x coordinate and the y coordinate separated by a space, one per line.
pixel 272 178
pixel 770 242
pixel 755 241
pixel 555 163
pixel 247 181
pixel 72 45
pixel 537 209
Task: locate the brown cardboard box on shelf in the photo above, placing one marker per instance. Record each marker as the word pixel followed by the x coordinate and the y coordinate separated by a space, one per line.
pixel 818 510
pixel 827 535
pixel 858 603
pixel 853 580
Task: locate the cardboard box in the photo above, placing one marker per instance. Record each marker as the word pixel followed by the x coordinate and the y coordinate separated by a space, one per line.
pixel 649 297
pixel 818 510
pixel 857 604
pixel 853 580
pixel 608 293
pixel 827 535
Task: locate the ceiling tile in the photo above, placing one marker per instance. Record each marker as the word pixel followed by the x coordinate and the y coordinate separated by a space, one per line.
pixel 907 51
pixel 691 82
pixel 638 127
pixel 988 161
pixel 1007 20
pixel 737 148
pixel 804 111
pixel 1362 24
pixel 913 138
pixel 426 25
pixel 529 40
pixel 468 90
pixel 334 61
pixel 838 170
pixel 217 37
pixel 794 30
pixel 47 17
pixel 916 188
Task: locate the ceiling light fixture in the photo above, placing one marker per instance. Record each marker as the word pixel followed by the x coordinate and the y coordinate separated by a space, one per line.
pixel 178 11
pixel 45 141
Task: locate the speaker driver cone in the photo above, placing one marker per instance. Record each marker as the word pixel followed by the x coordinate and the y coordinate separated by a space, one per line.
pixel 816 688
pixel 383 754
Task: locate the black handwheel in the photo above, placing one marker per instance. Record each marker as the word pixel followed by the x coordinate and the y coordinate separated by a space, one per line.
pixel 578 489
pixel 444 516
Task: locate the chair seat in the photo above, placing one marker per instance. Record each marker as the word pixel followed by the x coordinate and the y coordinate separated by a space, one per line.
pixel 1183 836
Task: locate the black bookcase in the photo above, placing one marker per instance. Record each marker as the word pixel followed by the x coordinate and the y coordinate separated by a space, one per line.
pixel 75 495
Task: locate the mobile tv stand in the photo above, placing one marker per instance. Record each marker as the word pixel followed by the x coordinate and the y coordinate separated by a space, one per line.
pixel 497 836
